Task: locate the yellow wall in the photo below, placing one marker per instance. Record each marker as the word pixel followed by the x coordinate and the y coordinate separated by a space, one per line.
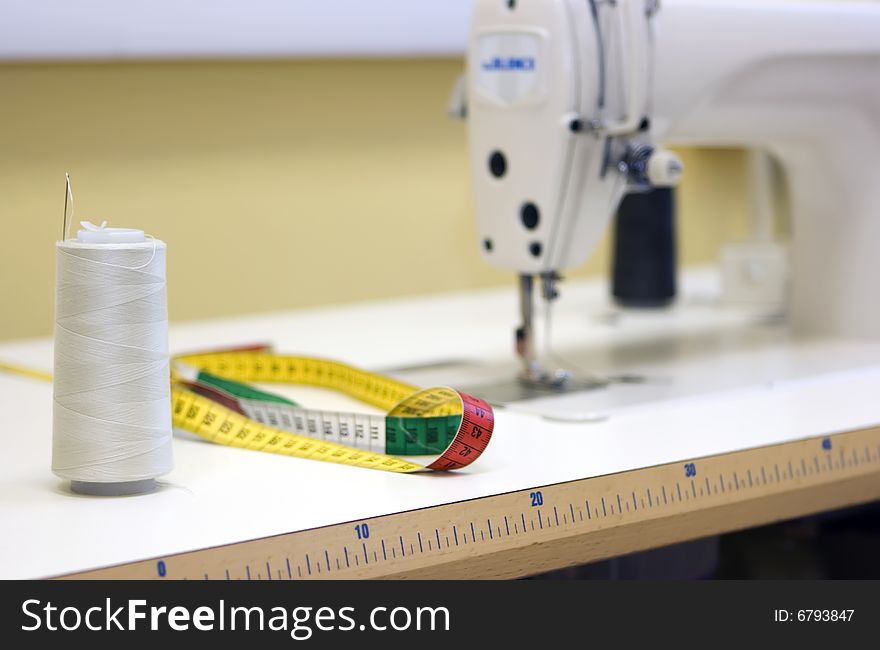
pixel 276 184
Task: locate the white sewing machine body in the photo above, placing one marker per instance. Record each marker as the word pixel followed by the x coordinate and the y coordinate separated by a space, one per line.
pixel 535 70
pixel 800 79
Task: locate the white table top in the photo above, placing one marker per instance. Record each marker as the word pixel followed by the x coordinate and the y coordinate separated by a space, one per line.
pixel 718 381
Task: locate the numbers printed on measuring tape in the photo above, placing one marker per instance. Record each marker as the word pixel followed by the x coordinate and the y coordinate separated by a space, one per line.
pixel 537 499
pixel 690 470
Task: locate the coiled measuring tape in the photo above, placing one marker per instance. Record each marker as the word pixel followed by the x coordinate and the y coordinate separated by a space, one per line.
pixel 211 398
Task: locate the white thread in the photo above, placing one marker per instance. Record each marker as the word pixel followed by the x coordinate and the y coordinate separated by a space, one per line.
pixel 112 409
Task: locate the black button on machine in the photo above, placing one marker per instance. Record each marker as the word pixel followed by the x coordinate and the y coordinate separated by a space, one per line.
pixel 497 164
pixel 530 215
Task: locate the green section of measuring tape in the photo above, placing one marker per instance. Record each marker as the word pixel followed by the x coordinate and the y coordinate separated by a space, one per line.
pixel 403 436
pixel 419 436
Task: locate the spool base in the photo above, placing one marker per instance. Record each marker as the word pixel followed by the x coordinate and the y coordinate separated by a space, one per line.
pixel 114 489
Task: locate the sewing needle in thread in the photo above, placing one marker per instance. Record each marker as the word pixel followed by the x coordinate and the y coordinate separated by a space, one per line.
pixel 68 203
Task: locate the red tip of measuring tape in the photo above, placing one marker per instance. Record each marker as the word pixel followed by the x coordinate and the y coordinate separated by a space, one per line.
pixel 474 433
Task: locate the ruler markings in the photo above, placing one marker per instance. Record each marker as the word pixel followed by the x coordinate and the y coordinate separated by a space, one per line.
pixel 859 463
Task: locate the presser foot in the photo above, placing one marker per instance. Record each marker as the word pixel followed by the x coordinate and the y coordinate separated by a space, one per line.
pixel 524 387
pixel 538 377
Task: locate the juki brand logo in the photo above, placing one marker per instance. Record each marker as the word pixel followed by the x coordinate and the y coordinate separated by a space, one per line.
pixel 510 64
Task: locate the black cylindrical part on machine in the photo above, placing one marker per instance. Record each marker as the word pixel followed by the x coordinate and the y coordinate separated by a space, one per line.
pixel 644 253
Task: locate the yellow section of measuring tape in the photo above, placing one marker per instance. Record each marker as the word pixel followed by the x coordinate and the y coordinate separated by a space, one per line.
pixel 216 423
pixel 25 372
pixel 261 367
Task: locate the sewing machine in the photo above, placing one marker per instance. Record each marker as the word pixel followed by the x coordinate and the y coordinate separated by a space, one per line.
pixel 567 98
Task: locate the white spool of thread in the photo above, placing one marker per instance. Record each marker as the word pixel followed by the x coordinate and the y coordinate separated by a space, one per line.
pixel 112 404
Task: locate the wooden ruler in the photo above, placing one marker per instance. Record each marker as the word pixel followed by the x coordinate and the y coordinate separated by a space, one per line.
pixel 553 526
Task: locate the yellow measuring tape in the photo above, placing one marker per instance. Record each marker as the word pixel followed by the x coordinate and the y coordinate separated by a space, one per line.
pixel 409 409
pixel 25 372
